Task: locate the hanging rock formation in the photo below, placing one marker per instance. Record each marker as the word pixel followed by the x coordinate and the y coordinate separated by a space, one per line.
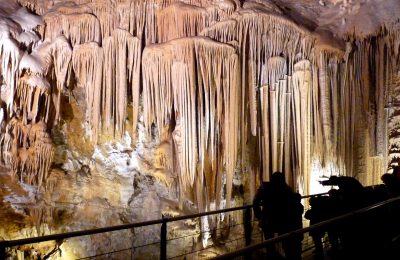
pixel 195 80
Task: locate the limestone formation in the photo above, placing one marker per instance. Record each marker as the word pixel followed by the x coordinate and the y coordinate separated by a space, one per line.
pixel 285 87
pixel 239 89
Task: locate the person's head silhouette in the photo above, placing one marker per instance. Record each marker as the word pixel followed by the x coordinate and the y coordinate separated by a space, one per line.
pixel 278 178
pixel 396 172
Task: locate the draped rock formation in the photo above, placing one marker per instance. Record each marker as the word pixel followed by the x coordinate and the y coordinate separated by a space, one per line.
pixel 195 80
pixel 117 111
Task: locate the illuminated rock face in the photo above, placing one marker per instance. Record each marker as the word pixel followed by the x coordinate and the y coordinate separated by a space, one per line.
pixel 201 96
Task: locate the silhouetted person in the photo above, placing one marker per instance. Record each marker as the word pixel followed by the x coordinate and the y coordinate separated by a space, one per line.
pixel 396 172
pixel 280 212
pixel 390 184
pixel 335 210
pixel 392 216
pixel 352 193
pixel 264 198
pixel 352 232
pixel 392 181
pixel 298 209
pixel 320 211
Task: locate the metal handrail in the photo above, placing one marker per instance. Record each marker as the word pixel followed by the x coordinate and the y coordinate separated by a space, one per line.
pixel 61 236
pixel 24 241
pixel 163 221
pixel 314 195
pixel 298 232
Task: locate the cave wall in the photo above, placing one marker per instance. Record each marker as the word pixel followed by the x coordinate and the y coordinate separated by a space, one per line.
pixel 187 100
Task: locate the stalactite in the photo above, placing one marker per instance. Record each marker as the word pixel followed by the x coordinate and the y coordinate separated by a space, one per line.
pixel 359 129
pixel 86 60
pixel 140 18
pixel 224 31
pixel 273 70
pixel 78 28
pixel 32 63
pixel 221 10
pixel 7 143
pixel 37 6
pixel 33 98
pixel 268 83
pixel 265 140
pixel 61 53
pixel 10 56
pixel 29 39
pixel 134 19
pixel 105 12
pixel 324 109
pixel 273 113
pixel 268 45
pixel 29 150
pixel 301 97
pixel 122 56
pixel 180 20
pixel 41 161
pixel 107 89
pixel 381 96
pixel 170 79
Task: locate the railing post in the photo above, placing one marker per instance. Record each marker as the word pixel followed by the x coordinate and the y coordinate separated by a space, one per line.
pixel 3 247
pixel 247 230
pixel 163 239
pixel 247 226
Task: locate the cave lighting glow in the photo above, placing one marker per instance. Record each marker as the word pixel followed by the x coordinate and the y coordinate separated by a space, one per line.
pixel 66 252
pixel 319 173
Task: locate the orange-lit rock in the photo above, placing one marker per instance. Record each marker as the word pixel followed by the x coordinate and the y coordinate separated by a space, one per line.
pixel 127 109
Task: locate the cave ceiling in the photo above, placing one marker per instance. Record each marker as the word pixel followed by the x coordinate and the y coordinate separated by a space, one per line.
pixel 343 17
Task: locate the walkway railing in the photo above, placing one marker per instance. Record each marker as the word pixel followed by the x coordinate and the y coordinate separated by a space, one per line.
pixel 248 250
pixel 247 225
